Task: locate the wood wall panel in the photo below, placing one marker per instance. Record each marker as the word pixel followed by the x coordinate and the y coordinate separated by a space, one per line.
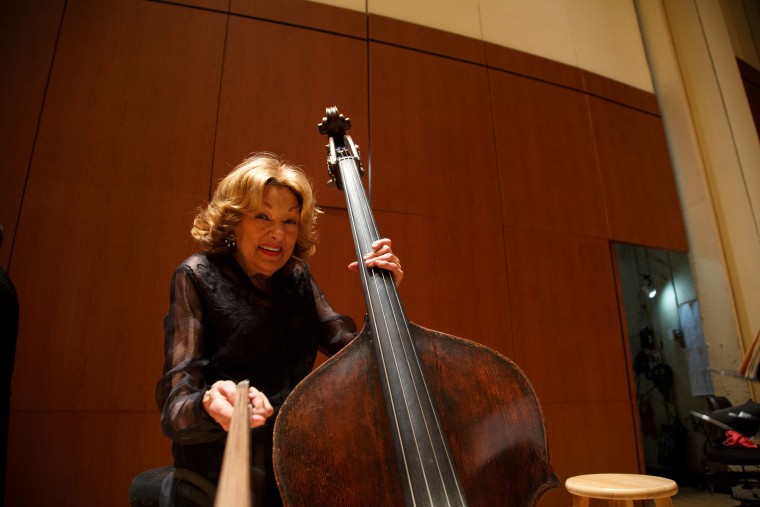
pixel 217 5
pixel 329 265
pixel 33 26
pixel 132 91
pixel 428 40
pixel 70 459
pixel 588 437
pixel 603 87
pixel 432 141
pixel 308 14
pixel 640 192
pixel 524 64
pixel 565 317
pixel 273 100
pixel 105 294
pixel 456 303
pixel 123 157
pixel 454 276
pixel 547 163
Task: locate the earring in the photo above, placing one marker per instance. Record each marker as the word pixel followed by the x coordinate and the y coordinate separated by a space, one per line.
pixel 230 241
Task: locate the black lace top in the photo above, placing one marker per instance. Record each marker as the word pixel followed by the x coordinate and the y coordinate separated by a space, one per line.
pixel 221 326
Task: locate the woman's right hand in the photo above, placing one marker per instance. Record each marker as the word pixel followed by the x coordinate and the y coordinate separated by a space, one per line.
pixel 219 402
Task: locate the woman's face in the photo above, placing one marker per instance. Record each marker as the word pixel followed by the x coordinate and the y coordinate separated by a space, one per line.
pixel 266 238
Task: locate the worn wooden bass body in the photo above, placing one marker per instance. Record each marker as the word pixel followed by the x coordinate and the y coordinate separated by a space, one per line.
pixel 405 415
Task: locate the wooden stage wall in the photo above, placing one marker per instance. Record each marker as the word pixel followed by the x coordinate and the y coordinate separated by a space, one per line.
pixel 503 179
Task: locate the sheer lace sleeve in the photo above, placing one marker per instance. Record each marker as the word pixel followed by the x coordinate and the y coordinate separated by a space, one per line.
pixel 337 329
pixel 180 390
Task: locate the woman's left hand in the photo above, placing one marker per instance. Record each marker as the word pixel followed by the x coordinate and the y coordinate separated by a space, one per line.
pixel 383 257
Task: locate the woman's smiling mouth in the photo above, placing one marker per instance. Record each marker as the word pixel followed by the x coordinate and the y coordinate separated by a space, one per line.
pixel 270 250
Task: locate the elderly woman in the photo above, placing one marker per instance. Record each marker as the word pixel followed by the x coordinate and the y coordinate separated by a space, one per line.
pixel 248 308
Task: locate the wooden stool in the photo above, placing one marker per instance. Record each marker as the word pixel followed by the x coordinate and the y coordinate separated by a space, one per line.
pixel 621 489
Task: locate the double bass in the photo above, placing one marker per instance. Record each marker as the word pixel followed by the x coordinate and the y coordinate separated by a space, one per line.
pixel 405 415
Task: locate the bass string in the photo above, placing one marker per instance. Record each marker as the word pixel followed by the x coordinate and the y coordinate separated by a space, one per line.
pixel 437 446
pixel 345 174
pixel 361 231
pixel 382 285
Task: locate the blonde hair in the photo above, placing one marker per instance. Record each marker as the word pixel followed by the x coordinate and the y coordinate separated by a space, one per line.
pixel 241 192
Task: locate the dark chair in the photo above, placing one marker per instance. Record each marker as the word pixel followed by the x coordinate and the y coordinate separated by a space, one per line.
pixel 744 484
pixel 717 402
pixel 169 486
